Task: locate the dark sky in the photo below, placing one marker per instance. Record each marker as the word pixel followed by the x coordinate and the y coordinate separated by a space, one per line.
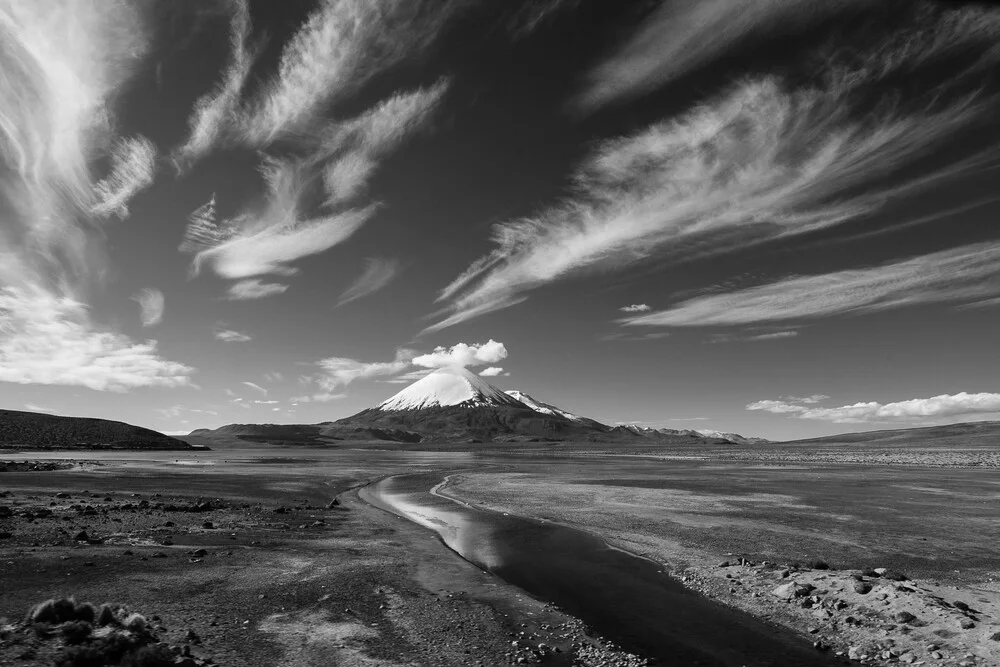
pixel 776 218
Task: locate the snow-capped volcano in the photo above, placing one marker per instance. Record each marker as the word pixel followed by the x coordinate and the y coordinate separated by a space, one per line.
pixel 446 387
pixel 543 408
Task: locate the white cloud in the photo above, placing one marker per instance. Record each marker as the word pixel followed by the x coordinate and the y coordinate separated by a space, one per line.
pixel 534 14
pixel 492 371
pixel 752 337
pixel 133 165
pixel 246 290
pixel 635 308
pixel 770 157
pixel 215 113
pixel 936 407
pixel 274 377
pixel 462 354
pixel 683 34
pixel 378 273
pixel 48 340
pixel 966 274
pixel 324 397
pixel 268 240
pixel 339 372
pixel 266 402
pixel 341 45
pixel 31 407
pixel 151 304
pixel 231 336
pixel 255 387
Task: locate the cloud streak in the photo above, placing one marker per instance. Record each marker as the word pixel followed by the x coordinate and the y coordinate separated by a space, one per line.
pixel 769 158
pixel 231 336
pixel 378 273
pixel 681 35
pixel 133 166
pixel 936 407
pixel 967 275
pixel 151 304
pixel 342 44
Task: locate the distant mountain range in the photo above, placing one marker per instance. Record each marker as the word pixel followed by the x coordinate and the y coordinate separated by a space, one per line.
pixel 734 438
pixel 455 405
pixel 33 430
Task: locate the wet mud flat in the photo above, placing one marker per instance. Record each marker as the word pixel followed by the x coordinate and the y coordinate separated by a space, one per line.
pixel 628 599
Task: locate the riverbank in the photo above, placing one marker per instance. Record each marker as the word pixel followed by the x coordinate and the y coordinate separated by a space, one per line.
pixel 857 612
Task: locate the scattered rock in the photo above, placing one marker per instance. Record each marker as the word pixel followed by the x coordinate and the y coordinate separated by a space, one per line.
pixel 904 617
pixel 966 624
pixel 792 590
pixel 81 536
pixel 862 587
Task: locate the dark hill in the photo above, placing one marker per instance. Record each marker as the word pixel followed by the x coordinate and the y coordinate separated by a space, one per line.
pixel 34 430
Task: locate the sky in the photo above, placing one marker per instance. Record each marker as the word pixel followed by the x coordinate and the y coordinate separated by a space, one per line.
pixel 776 218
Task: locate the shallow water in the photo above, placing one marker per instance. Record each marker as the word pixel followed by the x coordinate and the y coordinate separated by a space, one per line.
pixel 623 597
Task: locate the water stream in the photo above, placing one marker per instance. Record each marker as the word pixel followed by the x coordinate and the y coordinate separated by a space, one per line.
pixel 621 596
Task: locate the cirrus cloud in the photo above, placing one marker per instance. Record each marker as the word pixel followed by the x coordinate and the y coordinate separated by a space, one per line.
pixel 771 157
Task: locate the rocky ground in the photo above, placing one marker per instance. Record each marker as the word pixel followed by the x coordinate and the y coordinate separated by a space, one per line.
pixel 875 616
pixel 296 578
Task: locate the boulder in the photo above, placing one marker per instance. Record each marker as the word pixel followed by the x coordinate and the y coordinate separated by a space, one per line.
pixel 792 590
pixel 904 617
pixel 862 587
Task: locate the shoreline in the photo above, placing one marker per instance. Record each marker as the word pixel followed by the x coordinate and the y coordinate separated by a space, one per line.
pixel 821 605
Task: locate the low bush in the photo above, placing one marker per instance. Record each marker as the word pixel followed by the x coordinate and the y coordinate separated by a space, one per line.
pixel 76 632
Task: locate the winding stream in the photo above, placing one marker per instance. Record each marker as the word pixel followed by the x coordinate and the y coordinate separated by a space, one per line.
pixel 623 597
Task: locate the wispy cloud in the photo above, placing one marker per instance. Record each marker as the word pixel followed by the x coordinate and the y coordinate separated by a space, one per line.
pixel 268 240
pixel 532 15
pixel 38 408
pixel 246 290
pixel 378 273
pixel 63 63
pixel 342 44
pixel 769 158
pixel 338 372
pixel 255 387
pixel 752 337
pixel 936 407
pixel 683 34
pixel 231 336
pixel 151 304
pixel 967 274
pixel 463 354
pixel 49 340
pixel 635 308
pixel 492 371
pixel 216 112
pixel 133 166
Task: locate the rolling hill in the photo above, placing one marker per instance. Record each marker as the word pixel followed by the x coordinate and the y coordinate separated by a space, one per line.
pixel 33 430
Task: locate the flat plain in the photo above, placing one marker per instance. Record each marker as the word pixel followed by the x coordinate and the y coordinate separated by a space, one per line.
pixel 240 556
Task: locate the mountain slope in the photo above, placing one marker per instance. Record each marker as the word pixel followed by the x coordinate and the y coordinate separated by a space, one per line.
pixel 951 436
pixel 547 409
pixel 33 429
pixel 448 387
pixel 454 404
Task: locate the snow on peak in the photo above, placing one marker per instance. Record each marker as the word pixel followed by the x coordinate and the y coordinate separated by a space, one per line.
pixel 543 408
pixel 445 387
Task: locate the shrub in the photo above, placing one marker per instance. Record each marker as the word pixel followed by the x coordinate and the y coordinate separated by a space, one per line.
pixel 106 616
pixel 65 609
pixel 85 612
pixel 82 656
pixel 44 612
pixel 136 622
pixel 155 655
pixel 76 632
